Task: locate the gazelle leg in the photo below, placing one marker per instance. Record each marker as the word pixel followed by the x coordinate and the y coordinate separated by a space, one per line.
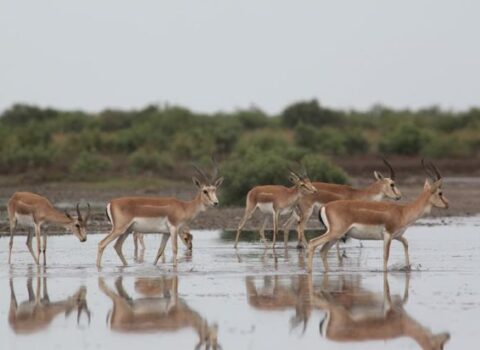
pixel 286 227
pixel 142 242
pixel 13 298
pixel 262 231
pixel 330 235
pixel 404 241
pixel 44 247
pixel 135 244
pixel 323 253
pixel 13 225
pixel 29 245
pixel 161 249
pixel 302 222
pixel 173 233
pixel 387 240
pixel 246 216
pixel 387 299
pixel 275 227
pixel 116 232
pixel 118 247
pixel 37 236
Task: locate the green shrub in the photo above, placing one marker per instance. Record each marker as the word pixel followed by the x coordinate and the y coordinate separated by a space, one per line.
pixel 321 169
pixel 310 112
pixel 447 146
pixel 255 167
pixel 150 161
pixel 406 139
pixel 89 164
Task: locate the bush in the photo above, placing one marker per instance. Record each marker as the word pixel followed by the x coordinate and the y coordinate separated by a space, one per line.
pixel 406 139
pixel 321 169
pixel 89 164
pixel 255 168
pixel 150 161
pixel 447 146
pixel 310 112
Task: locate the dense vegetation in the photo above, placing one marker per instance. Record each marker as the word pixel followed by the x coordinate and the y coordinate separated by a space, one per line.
pixel 48 144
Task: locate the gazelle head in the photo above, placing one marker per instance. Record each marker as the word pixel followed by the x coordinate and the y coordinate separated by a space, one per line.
pixel 437 199
pixel 302 181
pixel 78 225
pixel 208 186
pixel 389 188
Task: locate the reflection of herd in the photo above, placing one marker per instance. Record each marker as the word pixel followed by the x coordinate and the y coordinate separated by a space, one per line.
pixel 352 312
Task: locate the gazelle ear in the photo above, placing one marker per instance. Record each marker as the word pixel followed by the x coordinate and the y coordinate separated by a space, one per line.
pixel 427 185
pixel 378 175
pixel 197 182
pixel 436 185
pixel 218 182
pixel 67 214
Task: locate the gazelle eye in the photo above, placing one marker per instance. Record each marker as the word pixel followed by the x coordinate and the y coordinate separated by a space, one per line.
pixel 439 193
pixel 392 185
pixel 77 225
pixel 205 191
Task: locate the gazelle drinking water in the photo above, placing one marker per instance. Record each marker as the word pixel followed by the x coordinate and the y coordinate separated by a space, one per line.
pixel 383 187
pixel 275 200
pixel 154 214
pixel 376 220
pixel 31 210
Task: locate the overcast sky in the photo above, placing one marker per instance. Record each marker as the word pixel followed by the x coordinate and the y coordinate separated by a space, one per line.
pixel 221 55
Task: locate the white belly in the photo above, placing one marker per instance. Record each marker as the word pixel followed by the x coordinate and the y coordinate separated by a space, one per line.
pixel 366 232
pixel 145 225
pixel 265 207
pixel 25 220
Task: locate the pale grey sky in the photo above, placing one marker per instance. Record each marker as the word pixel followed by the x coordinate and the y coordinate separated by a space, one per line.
pixel 220 55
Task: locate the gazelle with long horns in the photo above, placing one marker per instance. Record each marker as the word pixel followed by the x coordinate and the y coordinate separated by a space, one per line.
pixel 154 214
pixel 275 200
pixel 32 210
pixel 384 186
pixel 367 220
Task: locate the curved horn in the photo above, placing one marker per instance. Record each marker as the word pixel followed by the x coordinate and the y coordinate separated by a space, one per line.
pixel 88 212
pixel 389 166
pixel 435 170
pixel 215 169
pixel 78 211
pixel 427 170
pixel 201 173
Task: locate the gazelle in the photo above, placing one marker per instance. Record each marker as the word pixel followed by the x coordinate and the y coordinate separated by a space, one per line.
pixel 31 210
pixel 153 214
pixel 38 312
pixel 354 315
pixel 326 192
pixel 376 220
pixel 160 311
pixel 185 236
pixel 276 200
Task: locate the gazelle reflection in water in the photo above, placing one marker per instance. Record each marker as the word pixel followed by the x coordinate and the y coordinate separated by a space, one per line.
pixel 352 312
pixel 38 312
pixel 356 314
pixel 160 310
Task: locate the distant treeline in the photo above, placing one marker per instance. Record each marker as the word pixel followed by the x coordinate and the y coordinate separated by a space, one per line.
pixel 162 140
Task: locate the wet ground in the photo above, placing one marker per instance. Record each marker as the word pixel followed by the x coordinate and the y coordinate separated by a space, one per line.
pixel 251 298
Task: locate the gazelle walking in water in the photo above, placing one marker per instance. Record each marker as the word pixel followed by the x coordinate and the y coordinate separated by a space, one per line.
pixel 376 220
pixel 154 214
pixel 326 192
pixel 31 210
pixel 275 200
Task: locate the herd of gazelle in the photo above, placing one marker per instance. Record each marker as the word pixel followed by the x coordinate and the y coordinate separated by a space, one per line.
pixel 345 211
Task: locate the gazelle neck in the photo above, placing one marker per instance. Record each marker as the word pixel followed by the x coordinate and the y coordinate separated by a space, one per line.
pixel 417 208
pixel 57 217
pixel 373 191
pixel 194 207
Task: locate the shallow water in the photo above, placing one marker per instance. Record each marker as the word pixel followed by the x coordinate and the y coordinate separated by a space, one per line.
pixel 247 299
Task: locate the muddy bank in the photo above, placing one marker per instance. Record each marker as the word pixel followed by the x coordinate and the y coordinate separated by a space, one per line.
pixel 463 193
